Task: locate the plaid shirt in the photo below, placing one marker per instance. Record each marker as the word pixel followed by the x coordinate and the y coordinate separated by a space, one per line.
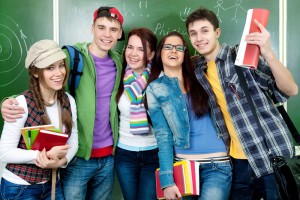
pixel 30 172
pixel 261 85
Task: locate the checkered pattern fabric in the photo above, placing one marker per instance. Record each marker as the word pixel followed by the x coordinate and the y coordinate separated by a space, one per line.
pixel 30 172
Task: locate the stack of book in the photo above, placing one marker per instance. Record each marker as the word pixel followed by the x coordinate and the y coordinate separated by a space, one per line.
pixel 44 136
pixel 186 177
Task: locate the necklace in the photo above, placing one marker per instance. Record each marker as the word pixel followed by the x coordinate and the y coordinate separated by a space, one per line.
pixel 52 100
pixel 49 104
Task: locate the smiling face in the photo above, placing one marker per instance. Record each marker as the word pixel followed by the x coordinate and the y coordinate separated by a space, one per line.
pixel 106 33
pixel 52 78
pixel 134 54
pixel 204 38
pixel 172 58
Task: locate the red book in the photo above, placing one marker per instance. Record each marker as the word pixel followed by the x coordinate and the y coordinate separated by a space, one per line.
pixel 248 54
pixel 48 139
pixel 182 173
pixel 195 177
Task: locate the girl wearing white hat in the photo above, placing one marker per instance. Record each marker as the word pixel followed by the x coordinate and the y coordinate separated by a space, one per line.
pixel 28 172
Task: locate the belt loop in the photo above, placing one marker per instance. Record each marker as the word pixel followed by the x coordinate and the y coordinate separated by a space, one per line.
pixel 230 161
pixel 212 162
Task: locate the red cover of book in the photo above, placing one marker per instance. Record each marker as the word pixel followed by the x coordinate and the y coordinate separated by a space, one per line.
pixel 48 139
pixel 186 178
pixel 248 54
pixel 178 173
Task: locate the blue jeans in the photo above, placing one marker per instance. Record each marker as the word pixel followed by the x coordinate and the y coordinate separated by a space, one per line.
pixel 29 192
pixel 246 186
pixel 136 173
pixel 88 179
pixel 215 181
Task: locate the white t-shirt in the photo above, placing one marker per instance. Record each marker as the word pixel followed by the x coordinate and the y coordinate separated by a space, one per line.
pixel 127 140
pixel 10 153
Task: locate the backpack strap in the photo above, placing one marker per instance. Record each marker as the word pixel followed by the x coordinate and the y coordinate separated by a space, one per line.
pixel 76 68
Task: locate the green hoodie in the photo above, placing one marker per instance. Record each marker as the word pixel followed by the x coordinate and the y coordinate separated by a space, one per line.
pixel 86 100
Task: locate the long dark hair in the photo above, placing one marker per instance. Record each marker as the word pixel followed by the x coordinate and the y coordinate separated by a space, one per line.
pixel 196 93
pixel 147 37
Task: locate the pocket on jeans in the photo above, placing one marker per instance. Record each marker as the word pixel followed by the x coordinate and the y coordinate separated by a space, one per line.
pixel 122 154
pixel 10 190
pixel 155 156
pixel 119 152
pixel 226 169
pixel 73 161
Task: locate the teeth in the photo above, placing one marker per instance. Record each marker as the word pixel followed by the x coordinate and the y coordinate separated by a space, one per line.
pixel 134 60
pixel 106 41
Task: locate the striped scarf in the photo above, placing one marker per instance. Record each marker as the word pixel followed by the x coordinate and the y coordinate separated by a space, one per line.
pixel 134 87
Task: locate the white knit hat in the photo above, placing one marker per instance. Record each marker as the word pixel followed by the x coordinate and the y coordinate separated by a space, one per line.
pixel 44 53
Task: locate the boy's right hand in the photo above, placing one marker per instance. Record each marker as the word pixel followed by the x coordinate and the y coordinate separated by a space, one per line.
pixel 10 110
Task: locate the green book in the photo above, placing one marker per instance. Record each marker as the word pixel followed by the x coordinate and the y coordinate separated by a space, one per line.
pixel 30 136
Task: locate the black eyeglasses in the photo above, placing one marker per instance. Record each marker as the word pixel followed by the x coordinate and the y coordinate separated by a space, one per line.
pixel 169 47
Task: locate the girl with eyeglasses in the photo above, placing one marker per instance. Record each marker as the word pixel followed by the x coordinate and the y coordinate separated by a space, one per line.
pixel 184 129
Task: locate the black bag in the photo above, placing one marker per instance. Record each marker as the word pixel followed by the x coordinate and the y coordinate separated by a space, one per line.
pixel 287 173
pixel 286 170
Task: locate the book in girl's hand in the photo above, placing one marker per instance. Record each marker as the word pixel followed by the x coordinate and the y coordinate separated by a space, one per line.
pixel 29 134
pixel 186 178
pixel 48 139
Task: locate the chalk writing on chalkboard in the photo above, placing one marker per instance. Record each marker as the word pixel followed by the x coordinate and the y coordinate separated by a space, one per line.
pixel 127 11
pixel 13 50
pixel 236 6
pixel 144 8
pixel 141 10
pixel 185 13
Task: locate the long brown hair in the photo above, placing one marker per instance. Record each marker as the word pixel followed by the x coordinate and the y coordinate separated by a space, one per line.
pixel 196 93
pixel 34 87
pixel 147 37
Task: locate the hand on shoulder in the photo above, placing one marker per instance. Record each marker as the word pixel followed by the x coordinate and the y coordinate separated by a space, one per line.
pixel 11 110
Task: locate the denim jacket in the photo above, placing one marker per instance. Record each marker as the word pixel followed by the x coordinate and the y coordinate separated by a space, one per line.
pixel 170 120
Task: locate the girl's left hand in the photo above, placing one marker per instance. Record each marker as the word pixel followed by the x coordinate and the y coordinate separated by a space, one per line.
pixel 58 152
pixel 44 162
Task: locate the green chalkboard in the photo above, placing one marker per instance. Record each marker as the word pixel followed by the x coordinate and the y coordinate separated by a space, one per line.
pixel 21 24
pixel 162 17
pixel 293 58
pixel 24 22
